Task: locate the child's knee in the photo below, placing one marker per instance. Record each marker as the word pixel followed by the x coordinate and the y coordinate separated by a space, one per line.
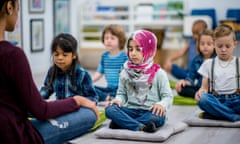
pixel 204 98
pixel 159 120
pixel 111 109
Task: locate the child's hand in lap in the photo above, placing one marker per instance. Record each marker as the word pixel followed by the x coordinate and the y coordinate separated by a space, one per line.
pixel 117 102
pixel 157 109
pixel 198 93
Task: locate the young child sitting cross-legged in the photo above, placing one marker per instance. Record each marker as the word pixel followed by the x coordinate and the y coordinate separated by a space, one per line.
pixel 144 94
pixel 219 96
pixel 189 86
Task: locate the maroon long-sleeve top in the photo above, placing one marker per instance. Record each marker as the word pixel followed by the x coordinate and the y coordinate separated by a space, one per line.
pixel 19 96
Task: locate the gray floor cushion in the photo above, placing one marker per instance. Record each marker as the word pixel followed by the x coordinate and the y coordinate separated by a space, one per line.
pixel 161 135
pixel 194 120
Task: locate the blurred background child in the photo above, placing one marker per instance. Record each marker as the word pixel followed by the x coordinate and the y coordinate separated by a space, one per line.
pixel 190 49
pixel 114 40
pixel 188 87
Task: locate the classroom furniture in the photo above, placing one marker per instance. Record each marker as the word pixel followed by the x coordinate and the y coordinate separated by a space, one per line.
pixel 233 14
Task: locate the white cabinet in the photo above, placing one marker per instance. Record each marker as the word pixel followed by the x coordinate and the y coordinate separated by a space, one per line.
pixel 137 14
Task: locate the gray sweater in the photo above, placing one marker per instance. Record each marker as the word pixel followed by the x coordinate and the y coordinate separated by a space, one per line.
pixel 159 93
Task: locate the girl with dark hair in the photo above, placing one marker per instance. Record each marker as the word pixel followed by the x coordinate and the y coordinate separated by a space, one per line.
pixel 189 86
pixel 66 79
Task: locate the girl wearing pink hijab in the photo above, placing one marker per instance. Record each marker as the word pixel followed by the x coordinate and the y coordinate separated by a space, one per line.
pixel 144 94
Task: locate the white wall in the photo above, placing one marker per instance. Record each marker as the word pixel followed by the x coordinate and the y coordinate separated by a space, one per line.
pixel 40 61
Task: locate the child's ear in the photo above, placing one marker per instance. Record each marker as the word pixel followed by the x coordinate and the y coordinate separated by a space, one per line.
pixel 235 43
pixel 74 57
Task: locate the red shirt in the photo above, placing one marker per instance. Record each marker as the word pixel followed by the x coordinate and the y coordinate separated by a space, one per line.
pixel 19 96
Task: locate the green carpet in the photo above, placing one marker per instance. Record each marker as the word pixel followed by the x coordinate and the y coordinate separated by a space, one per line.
pixel 100 121
pixel 172 84
pixel 180 100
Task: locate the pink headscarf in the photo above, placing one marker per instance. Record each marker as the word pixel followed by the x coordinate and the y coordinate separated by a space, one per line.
pixel 148 42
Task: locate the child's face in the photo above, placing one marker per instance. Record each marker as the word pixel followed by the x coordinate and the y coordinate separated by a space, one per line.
pixel 111 42
pixel 224 47
pixel 135 52
pixel 63 60
pixel 197 29
pixel 206 46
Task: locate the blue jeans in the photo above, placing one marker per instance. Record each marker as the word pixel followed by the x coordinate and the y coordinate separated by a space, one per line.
pixel 104 92
pixel 66 127
pixel 132 119
pixel 220 106
pixel 178 72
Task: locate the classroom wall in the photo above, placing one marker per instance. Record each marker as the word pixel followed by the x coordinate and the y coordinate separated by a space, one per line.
pixel 40 61
pixel 220 6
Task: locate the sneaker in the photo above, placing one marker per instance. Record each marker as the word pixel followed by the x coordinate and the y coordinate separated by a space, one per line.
pixel 113 125
pixel 150 128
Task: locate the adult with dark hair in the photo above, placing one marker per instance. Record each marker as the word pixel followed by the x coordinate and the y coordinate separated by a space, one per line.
pixel 19 95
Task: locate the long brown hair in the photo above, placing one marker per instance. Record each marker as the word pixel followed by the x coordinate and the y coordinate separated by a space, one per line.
pixel 206 32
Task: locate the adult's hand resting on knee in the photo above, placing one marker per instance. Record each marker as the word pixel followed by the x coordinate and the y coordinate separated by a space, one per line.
pixel 84 102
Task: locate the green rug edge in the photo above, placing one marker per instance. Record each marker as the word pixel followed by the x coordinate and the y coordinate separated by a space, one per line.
pixel 100 121
pixel 181 100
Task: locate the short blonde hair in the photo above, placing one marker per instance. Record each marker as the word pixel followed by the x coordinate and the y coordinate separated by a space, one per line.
pixel 223 30
pixel 117 31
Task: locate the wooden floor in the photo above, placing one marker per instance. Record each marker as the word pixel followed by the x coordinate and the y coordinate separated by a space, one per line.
pixel 192 135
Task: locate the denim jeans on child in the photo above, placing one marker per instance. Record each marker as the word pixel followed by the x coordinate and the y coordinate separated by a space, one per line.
pixel 104 92
pixel 66 127
pixel 221 106
pixel 132 119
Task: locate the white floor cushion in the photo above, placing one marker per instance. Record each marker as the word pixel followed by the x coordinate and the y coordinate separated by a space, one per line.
pixel 194 120
pixel 162 134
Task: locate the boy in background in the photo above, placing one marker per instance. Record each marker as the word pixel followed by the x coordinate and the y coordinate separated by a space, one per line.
pixel 112 60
